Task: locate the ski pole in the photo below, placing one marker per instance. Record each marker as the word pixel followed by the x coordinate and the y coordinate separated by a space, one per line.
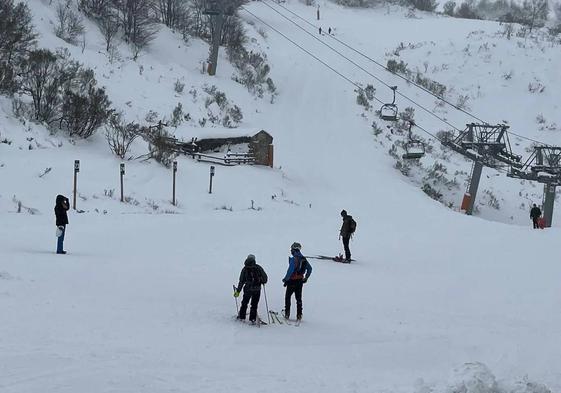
pixel 266 304
pixel 236 299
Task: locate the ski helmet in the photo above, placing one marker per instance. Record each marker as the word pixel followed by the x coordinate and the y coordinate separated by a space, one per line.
pixel 296 246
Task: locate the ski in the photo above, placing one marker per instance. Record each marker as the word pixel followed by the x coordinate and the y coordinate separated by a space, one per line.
pixel 339 258
pixel 275 317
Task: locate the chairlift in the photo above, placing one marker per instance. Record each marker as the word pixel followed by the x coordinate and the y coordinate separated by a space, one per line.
pixel 389 112
pixel 414 149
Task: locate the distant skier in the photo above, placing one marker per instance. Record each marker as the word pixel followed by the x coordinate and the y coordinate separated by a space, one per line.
pixel 320 31
pixel 299 270
pixel 61 207
pixel 347 230
pixel 535 215
pixel 329 31
pixel 252 277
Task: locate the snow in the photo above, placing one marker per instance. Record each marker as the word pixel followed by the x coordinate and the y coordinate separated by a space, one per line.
pixel 436 302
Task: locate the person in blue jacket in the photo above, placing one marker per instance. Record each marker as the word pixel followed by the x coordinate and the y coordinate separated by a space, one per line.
pixel 299 270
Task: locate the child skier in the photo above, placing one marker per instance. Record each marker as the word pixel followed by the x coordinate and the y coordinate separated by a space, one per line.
pixel 252 277
pixel 299 270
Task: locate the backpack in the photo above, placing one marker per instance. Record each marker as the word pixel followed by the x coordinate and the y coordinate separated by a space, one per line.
pixel 352 226
pixel 253 277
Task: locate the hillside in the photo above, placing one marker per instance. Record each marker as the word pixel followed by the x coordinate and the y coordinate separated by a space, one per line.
pixel 436 302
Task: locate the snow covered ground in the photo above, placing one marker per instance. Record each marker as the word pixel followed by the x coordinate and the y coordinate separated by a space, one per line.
pixel 436 302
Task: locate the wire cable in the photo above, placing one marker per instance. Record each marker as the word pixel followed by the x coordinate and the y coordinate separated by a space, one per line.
pixel 394 73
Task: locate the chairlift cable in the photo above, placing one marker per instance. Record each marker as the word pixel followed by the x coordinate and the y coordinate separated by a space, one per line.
pixel 362 68
pixel 401 76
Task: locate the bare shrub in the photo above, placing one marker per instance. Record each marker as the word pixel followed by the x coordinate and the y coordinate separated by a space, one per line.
pixel 120 135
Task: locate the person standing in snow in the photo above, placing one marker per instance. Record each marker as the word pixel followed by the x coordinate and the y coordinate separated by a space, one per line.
pixel 252 277
pixel 320 31
pixel 329 31
pixel 61 207
pixel 346 232
pixel 535 215
pixel 299 270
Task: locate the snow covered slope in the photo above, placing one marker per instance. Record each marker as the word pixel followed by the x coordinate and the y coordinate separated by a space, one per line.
pixel 437 301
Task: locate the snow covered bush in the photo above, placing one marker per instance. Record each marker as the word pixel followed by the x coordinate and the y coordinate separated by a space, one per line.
pixel 177 116
pixel 160 147
pixel 85 107
pixel 423 5
pixel 137 22
pixel 44 74
pixel 120 135
pixel 178 86
pixel 18 38
pixel 252 72
pixel 69 24
pixel 449 7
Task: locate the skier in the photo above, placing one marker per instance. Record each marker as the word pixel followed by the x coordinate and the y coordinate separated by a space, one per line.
pixel 299 270
pixel 535 215
pixel 320 31
pixel 61 207
pixel 329 31
pixel 347 230
pixel 252 277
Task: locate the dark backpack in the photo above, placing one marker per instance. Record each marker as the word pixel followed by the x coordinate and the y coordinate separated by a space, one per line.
pixel 253 277
pixel 352 226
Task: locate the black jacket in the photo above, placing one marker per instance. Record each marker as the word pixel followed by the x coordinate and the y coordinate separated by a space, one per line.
pixel 61 207
pixel 535 212
pixel 346 227
pixel 251 277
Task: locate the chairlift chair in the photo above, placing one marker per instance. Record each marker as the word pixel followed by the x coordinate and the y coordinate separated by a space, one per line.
pixel 414 149
pixel 389 112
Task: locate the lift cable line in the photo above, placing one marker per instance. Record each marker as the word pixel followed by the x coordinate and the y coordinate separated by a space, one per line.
pixel 396 74
pixel 485 144
pixel 330 67
pixel 363 69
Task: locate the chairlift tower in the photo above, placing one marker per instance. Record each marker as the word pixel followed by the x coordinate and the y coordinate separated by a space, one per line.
pixel 543 166
pixel 487 145
pixel 217 10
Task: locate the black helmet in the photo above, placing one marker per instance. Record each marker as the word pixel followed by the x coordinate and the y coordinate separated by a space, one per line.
pixel 343 213
pixel 296 246
pixel 250 260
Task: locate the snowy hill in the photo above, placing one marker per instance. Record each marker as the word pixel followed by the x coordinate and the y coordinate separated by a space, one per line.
pixel 437 301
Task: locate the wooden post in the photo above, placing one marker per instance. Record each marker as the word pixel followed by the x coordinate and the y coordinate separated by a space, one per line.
pixel 174 172
pixel 211 176
pixel 76 170
pixel 122 175
pixel 270 155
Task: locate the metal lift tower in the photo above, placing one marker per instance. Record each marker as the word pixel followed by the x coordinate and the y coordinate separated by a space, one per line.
pixel 543 166
pixel 487 145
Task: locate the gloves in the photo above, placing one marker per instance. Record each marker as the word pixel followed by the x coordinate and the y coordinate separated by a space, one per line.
pixel 236 293
pixel 305 280
pixel 284 283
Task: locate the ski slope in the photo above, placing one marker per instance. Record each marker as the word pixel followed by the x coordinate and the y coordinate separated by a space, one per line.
pixel 436 302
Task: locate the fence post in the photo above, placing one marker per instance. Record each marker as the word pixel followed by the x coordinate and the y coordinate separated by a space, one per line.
pixel 173 202
pixel 122 175
pixel 76 170
pixel 211 176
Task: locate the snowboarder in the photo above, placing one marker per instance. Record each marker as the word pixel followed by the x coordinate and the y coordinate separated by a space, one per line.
pixel 299 270
pixel 535 215
pixel 61 207
pixel 347 230
pixel 252 277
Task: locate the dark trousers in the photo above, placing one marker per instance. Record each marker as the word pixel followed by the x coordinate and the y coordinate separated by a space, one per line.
pixel 536 224
pixel 293 287
pixel 346 240
pixel 60 241
pixel 254 297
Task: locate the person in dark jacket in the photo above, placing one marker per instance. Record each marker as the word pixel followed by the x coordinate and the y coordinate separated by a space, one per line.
pixel 535 215
pixel 299 270
pixel 345 233
pixel 61 207
pixel 252 277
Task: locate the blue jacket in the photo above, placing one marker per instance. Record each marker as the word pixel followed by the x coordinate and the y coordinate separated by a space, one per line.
pixel 305 267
